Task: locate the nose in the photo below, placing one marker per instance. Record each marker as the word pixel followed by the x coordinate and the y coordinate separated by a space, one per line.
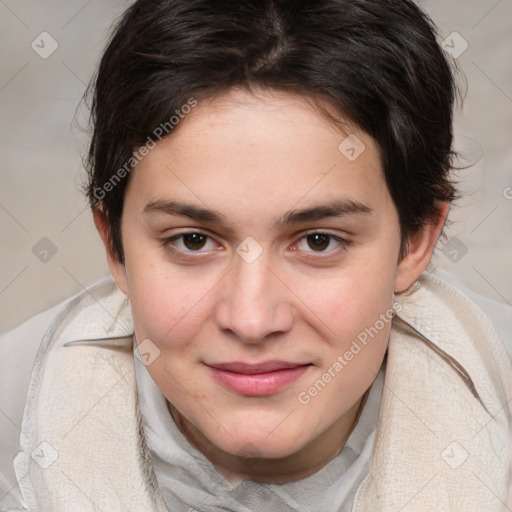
pixel 255 304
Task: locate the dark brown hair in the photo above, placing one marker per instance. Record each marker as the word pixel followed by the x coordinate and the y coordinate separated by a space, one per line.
pixel 376 61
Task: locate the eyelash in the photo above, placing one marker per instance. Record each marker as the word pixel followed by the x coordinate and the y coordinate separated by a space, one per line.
pixel 167 243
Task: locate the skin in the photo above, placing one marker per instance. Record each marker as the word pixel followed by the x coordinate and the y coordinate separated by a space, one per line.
pixel 252 158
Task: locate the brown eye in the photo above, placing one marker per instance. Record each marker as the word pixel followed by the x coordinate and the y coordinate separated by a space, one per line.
pixel 318 241
pixel 194 241
pixel 184 244
pixel 321 243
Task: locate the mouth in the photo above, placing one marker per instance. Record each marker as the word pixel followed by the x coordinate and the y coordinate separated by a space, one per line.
pixel 259 379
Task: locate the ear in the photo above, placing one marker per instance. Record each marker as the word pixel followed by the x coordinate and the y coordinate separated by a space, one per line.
pixel 419 249
pixel 117 269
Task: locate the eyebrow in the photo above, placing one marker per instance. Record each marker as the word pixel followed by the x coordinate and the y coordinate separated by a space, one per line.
pixel 336 208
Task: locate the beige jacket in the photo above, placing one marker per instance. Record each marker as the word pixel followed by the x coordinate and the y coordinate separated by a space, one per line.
pixel 443 441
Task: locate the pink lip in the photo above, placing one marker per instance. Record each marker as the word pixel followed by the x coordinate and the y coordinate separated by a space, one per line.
pixel 257 379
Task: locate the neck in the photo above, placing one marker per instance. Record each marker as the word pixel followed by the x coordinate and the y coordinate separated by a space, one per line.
pixel 306 461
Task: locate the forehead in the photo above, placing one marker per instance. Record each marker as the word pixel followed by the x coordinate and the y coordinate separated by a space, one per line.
pixel 259 155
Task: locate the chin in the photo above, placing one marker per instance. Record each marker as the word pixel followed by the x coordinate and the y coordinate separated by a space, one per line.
pixel 256 443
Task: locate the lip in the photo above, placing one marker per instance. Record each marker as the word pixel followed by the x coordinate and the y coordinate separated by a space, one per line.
pixel 258 379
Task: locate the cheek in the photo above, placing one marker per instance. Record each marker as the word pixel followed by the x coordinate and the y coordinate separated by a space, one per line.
pixel 167 306
pixel 356 308
pixel 359 314
pixel 352 299
pixel 167 315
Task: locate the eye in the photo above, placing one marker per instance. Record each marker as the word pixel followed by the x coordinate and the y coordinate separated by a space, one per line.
pixel 190 242
pixel 320 242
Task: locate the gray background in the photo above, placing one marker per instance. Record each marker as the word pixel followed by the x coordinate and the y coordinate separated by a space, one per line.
pixel 41 167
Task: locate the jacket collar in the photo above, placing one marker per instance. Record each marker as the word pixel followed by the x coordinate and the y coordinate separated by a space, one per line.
pixel 443 436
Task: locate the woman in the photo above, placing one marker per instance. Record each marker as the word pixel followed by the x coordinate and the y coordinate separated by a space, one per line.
pixel 270 179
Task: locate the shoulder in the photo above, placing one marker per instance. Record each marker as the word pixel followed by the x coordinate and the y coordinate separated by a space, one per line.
pixel 19 349
pixel 499 314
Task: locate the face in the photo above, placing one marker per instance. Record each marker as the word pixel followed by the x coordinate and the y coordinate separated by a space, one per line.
pixel 257 253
